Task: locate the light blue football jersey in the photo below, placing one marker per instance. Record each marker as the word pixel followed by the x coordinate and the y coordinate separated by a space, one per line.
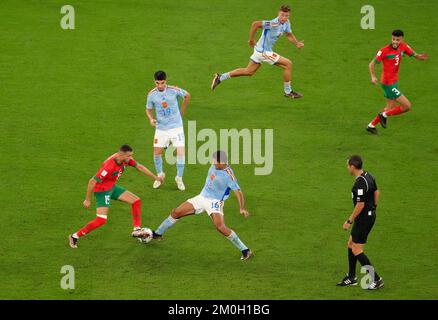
pixel 166 106
pixel 219 183
pixel 272 30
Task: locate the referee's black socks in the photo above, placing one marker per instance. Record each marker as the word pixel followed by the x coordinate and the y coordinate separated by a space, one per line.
pixel 364 261
pixel 352 259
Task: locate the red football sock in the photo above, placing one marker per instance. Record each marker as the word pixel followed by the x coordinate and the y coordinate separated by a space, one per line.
pixel 90 226
pixel 136 213
pixel 394 111
pixel 375 121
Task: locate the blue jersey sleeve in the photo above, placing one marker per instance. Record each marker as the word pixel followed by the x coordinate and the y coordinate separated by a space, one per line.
pixel 181 93
pixel 232 181
pixel 149 104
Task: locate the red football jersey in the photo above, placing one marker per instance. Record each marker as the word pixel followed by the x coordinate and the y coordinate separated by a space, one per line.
pixel 110 172
pixel 391 59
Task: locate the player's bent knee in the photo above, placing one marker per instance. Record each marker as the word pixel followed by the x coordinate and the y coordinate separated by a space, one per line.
pixel 287 64
pixel 405 105
pixel 176 213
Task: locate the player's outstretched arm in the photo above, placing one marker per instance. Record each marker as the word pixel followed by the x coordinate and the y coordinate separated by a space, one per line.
pixel 185 103
pixel 291 37
pixel 241 200
pixel 149 173
pixel 371 67
pixel 252 32
pixel 90 188
pixel 421 56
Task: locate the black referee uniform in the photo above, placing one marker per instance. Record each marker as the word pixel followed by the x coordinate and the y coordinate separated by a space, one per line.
pixel 363 191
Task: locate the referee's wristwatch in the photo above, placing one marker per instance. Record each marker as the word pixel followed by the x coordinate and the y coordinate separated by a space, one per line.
pixel 349 221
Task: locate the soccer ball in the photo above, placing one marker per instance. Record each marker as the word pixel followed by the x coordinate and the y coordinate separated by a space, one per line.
pixel 147 235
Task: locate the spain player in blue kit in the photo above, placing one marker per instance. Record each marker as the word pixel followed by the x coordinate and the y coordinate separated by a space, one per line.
pixel 272 30
pixel 168 124
pixel 220 181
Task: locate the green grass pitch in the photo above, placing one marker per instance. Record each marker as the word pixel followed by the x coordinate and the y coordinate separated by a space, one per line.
pixel 69 98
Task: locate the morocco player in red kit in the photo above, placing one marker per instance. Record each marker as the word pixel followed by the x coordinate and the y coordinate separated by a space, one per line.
pixel 391 56
pixel 103 184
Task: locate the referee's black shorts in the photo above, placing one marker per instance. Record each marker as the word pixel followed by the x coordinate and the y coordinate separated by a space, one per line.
pixel 362 228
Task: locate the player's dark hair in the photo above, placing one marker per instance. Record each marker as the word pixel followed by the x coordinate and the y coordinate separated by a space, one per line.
pixel 220 156
pixel 125 148
pixel 355 161
pixel 285 8
pixel 398 33
pixel 160 75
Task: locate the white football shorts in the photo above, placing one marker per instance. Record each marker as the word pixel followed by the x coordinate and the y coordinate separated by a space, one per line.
pixel 175 136
pixel 201 204
pixel 266 56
